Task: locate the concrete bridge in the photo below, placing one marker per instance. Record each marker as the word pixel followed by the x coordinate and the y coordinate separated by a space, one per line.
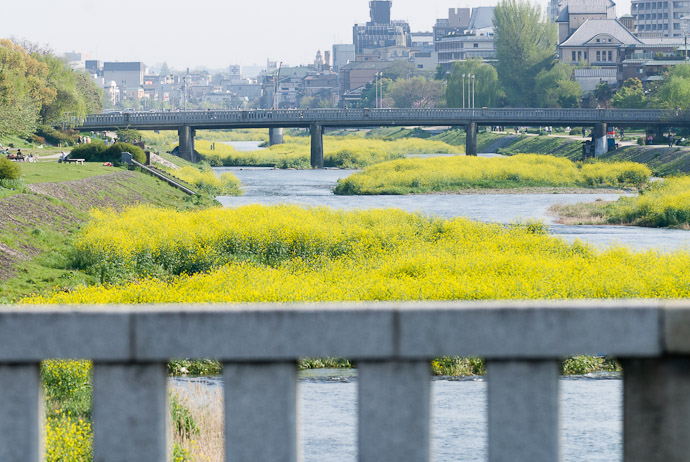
pixel 186 123
pixel 392 343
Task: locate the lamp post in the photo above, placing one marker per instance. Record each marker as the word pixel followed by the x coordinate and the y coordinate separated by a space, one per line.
pixel 380 82
pixel 376 84
pixel 473 76
pixel 463 91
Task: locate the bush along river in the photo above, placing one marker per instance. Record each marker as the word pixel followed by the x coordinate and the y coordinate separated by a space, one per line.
pixel 591 406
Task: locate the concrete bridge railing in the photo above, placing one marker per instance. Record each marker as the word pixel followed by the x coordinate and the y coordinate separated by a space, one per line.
pixel 343 116
pixel 392 344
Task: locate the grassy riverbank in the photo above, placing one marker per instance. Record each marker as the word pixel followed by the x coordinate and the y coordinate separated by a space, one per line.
pixel 461 173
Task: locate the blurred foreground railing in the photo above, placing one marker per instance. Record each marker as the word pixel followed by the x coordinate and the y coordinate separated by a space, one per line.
pixel 392 344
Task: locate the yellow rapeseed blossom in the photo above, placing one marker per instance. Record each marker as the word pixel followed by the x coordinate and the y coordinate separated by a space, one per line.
pixel 288 253
pixel 406 176
pixel 68 440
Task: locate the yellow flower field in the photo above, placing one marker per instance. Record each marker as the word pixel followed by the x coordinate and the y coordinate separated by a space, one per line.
pixel 664 204
pixel 287 253
pixel 405 176
pixel 342 152
pixel 207 181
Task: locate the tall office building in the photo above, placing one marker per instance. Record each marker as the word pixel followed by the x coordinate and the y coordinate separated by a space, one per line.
pixel 381 32
pixel 663 18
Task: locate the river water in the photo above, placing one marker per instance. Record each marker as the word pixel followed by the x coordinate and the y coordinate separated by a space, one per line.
pixel 591 416
pixel 591 407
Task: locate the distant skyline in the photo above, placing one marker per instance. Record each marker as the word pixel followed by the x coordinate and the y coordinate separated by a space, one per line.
pixel 209 33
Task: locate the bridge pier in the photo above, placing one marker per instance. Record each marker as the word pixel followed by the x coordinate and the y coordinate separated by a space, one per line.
pixel 471 139
pixel 275 136
pixel 599 139
pixel 316 145
pixel 656 406
pixel 186 147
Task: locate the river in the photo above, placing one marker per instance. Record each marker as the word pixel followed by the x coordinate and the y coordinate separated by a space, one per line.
pixel 591 407
pixel 591 416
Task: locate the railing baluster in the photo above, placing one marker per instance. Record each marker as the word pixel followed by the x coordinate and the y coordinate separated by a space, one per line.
pixel 261 412
pixel 523 411
pixel 129 412
pixel 394 411
pixel 656 410
pixel 19 410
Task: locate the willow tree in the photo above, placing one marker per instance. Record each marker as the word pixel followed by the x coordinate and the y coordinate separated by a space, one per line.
pixel 525 45
pixel 487 90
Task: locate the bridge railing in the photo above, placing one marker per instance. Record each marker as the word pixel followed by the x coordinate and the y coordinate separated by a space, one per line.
pixel 482 115
pixel 392 343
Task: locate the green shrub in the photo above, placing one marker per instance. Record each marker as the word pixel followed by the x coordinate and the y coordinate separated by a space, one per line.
pixel 99 152
pixel 116 149
pixel 55 137
pixel 9 170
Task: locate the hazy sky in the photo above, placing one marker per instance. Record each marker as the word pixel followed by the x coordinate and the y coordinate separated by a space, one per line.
pixel 210 33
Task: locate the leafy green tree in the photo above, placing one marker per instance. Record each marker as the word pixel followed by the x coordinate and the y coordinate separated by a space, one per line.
pixel 556 88
pixel 603 94
pixel 487 89
pixel 399 70
pixel 416 92
pixel 525 44
pixel 630 95
pixel 674 90
pixel 369 93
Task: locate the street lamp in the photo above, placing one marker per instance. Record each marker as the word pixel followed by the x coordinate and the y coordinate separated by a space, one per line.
pixel 473 76
pixel 463 91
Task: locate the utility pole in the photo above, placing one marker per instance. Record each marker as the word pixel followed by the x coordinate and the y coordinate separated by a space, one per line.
pixel 473 76
pixel 463 91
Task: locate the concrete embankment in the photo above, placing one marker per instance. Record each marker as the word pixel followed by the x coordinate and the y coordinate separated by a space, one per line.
pixel 663 160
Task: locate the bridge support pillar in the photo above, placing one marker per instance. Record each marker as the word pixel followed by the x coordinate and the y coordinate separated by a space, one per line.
pixel 275 136
pixel 599 138
pixel 316 145
pixel 656 409
pixel 471 139
pixel 186 147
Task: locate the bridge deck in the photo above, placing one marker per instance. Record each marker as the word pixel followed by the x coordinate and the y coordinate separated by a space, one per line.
pixel 384 117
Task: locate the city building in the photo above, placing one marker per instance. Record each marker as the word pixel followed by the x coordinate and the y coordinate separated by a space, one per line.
pixel 458 22
pixel 664 18
pixel 573 13
pixel 597 42
pixel 128 76
pixel 343 54
pixel 477 41
pixel 380 31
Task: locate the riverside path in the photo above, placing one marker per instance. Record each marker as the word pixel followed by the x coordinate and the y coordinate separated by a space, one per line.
pixel 187 122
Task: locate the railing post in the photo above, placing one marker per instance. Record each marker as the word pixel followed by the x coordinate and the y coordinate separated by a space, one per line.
pixel 656 409
pixel 523 411
pixel 394 411
pixel 129 412
pixel 261 412
pixel 19 411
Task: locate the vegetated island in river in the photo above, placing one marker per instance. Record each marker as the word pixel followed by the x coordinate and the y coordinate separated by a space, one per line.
pixel 665 204
pixel 523 172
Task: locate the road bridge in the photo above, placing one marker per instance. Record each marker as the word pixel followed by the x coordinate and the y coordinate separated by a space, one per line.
pixel 316 120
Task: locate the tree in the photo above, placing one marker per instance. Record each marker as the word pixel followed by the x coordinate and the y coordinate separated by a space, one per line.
pixel 399 70
pixel 674 90
pixel 416 92
pixel 630 95
pixel 555 87
pixel 603 93
pixel 525 45
pixel 487 89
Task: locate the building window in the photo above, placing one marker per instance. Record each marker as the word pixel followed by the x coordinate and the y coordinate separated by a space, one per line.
pixel 573 57
pixel 676 25
pixel 579 55
pixel 476 45
pixel 585 56
pixel 610 56
pixel 598 56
